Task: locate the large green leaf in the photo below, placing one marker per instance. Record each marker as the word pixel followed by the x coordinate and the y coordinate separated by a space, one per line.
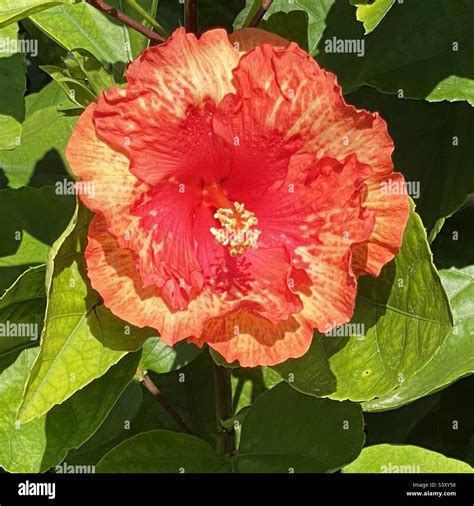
pixel 118 426
pixel 29 232
pixel 289 25
pixel 81 339
pixel 45 134
pixel 161 358
pixel 395 427
pixel 14 10
pixel 454 359
pixel 372 13
pixel 404 459
pixel 37 446
pixel 138 42
pixel 82 26
pixel 13 86
pixel 454 245
pixel 423 50
pixel 402 318
pixel 433 149
pixel 162 451
pixel 305 435
pixel 23 305
pixel 286 431
pixel 450 426
pixel 316 13
pixel 191 392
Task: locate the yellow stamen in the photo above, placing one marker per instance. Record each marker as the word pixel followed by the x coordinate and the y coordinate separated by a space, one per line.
pixel 237 232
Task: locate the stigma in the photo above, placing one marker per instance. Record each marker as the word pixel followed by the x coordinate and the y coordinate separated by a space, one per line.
pixel 237 232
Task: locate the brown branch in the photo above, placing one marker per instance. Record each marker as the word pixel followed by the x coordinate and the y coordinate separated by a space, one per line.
pixel 191 16
pixel 260 13
pixel 156 392
pixel 126 20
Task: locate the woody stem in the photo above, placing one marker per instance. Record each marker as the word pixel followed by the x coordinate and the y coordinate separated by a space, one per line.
pixel 133 4
pixel 260 13
pixel 126 20
pixel 224 411
pixel 156 393
pixel 191 15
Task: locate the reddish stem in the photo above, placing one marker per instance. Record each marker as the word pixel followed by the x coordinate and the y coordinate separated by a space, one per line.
pixel 126 20
pixel 260 13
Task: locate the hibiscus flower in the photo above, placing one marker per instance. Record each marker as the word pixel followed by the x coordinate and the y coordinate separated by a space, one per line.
pixel 237 196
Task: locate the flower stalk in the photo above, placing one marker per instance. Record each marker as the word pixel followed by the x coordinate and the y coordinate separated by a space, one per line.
pixel 224 410
pixel 133 4
pixel 191 16
pixel 260 13
pixel 126 20
pixel 157 394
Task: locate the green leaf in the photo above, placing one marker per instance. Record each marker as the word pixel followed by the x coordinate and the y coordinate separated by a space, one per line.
pixel 77 90
pixel 214 14
pixel 46 132
pixel 316 13
pixel 49 438
pixel 81 339
pixel 138 42
pixel 118 426
pixel 23 305
pixel 191 392
pixel 82 26
pixel 291 26
pixel 371 14
pixel 161 358
pixel 433 149
pixel 424 50
pixel 295 440
pixel 404 459
pixel 454 245
pixel 454 359
pixel 29 232
pixel 161 451
pixel 14 10
pixel 286 431
pixel 82 77
pixel 13 86
pixel 396 426
pixel 401 319
pixel 247 385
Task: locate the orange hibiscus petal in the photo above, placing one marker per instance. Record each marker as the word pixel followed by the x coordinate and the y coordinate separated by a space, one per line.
pixel 302 101
pixel 249 38
pixel 391 212
pixel 173 89
pixel 113 273
pixel 133 211
pixel 253 340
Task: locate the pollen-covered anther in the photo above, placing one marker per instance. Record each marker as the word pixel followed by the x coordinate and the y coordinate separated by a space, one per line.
pixel 236 231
